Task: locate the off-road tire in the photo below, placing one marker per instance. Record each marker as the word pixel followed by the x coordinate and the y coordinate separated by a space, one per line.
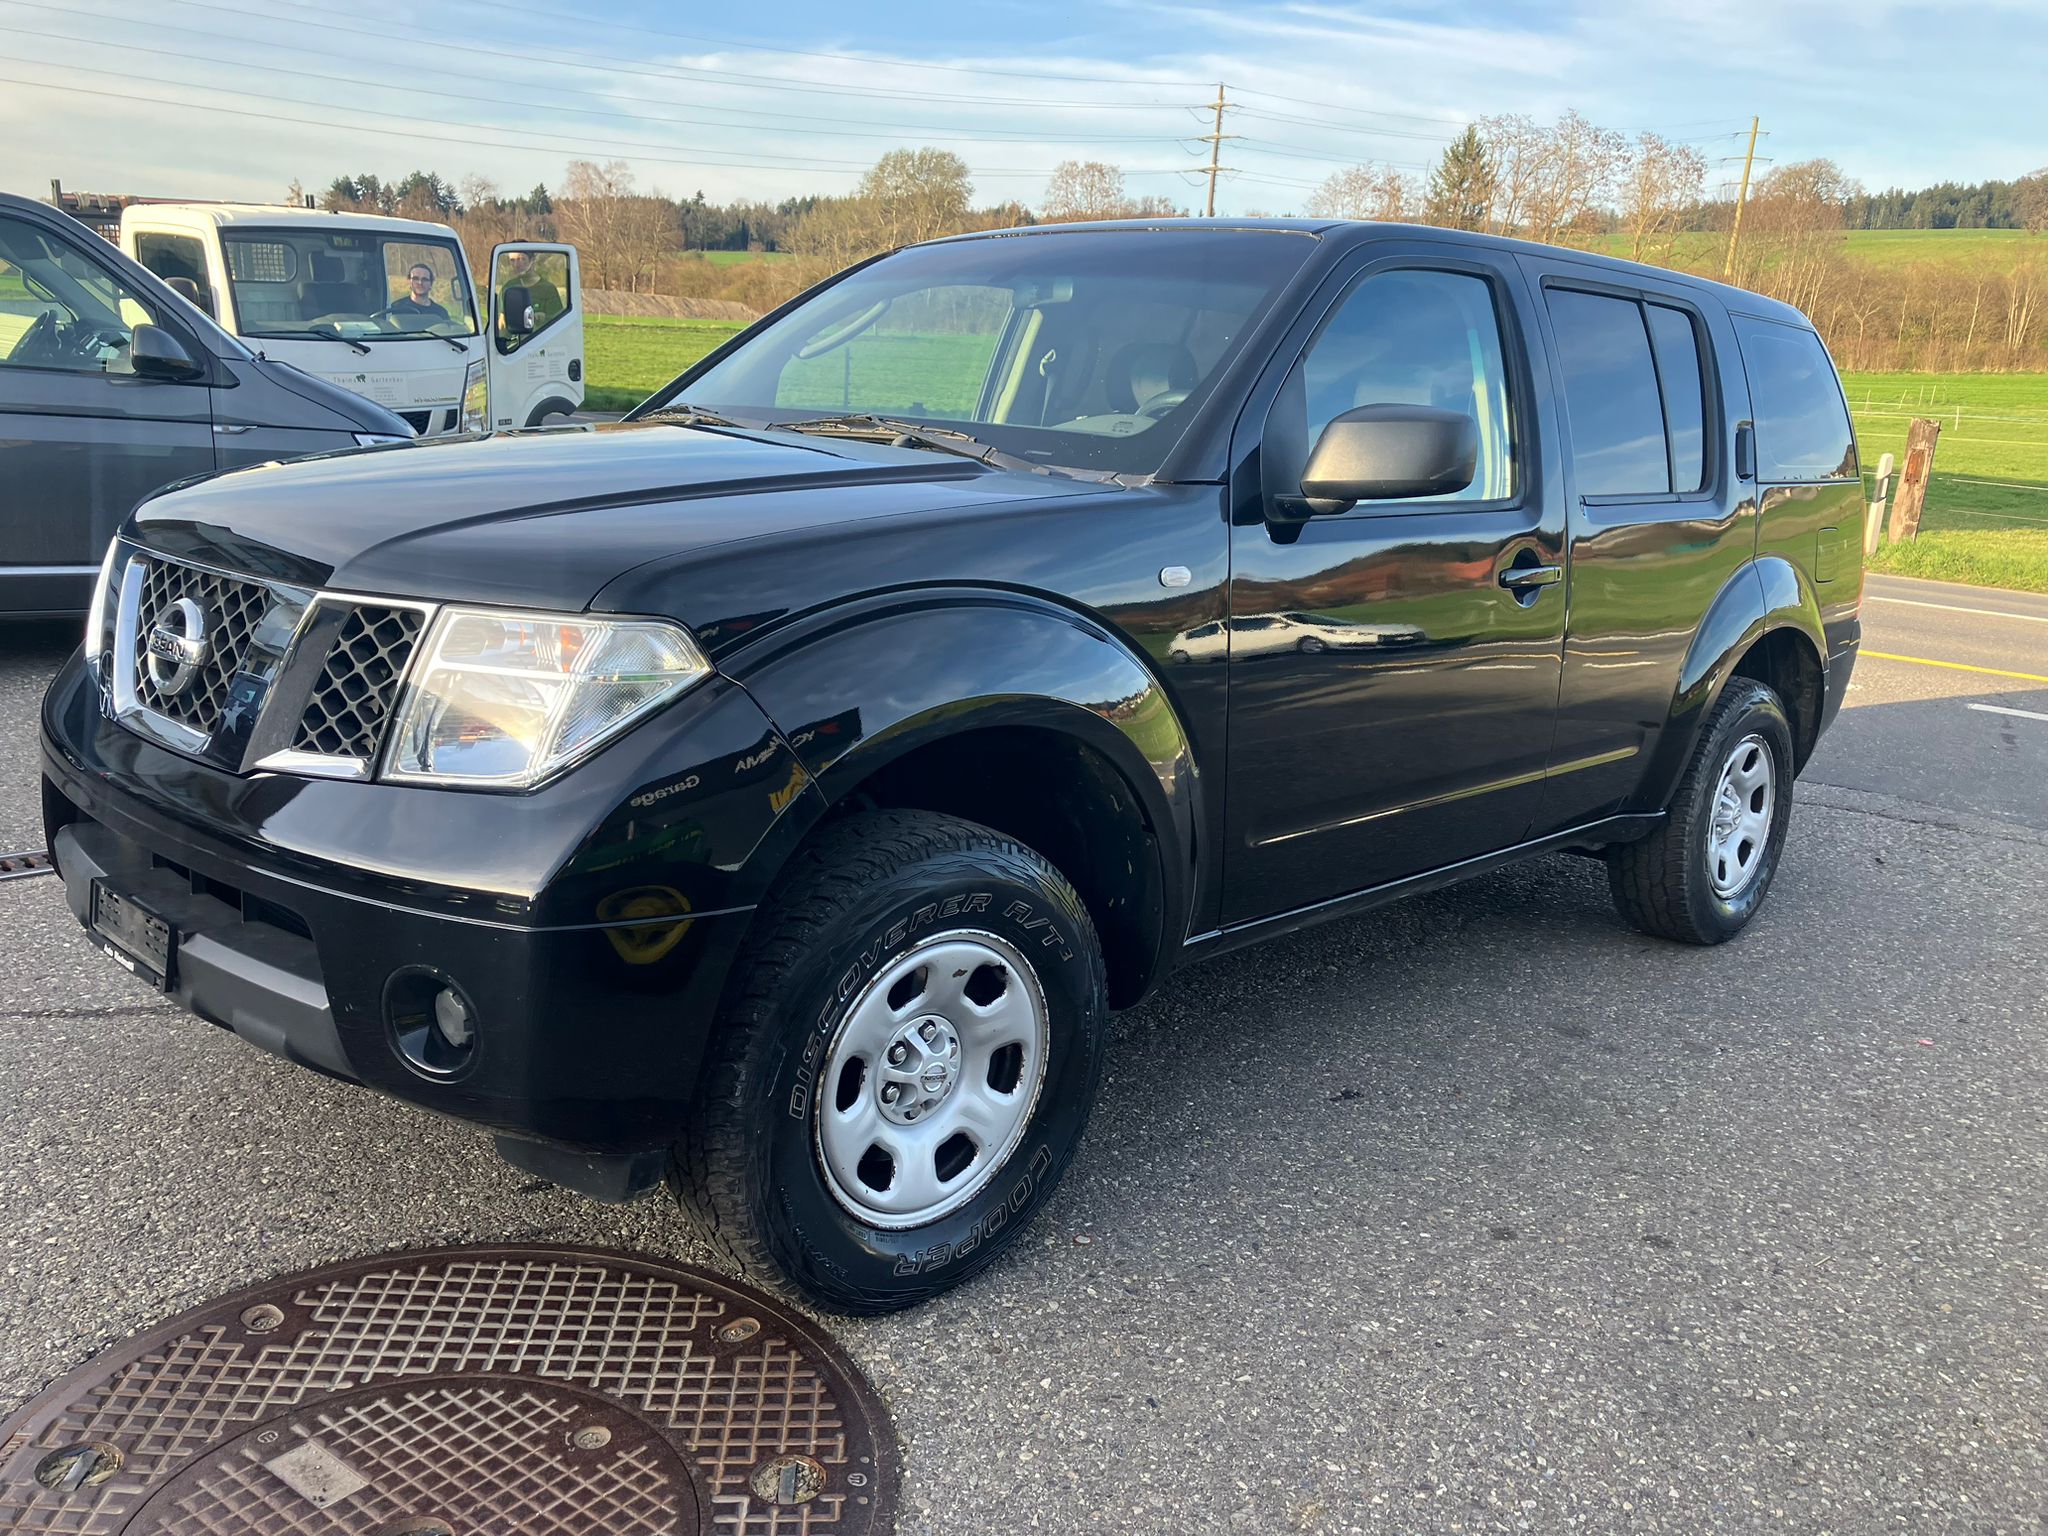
pixel 863 891
pixel 1661 883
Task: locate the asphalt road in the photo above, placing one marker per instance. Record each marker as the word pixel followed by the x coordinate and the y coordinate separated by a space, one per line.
pixel 1483 1213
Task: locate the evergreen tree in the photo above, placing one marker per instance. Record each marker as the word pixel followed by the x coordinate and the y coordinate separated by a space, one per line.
pixel 1461 188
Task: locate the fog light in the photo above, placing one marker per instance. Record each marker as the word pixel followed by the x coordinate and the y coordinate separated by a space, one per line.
pixel 451 1018
pixel 434 1025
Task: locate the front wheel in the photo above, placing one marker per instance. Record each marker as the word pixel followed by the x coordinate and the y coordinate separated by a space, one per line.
pixel 903 1066
pixel 1701 876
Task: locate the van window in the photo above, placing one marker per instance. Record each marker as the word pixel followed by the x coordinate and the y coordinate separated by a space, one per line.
pixel 1802 422
pixel 180 260
pixel 59 309
pixel 1611 395
pixel 1684 387
pixel 1404 337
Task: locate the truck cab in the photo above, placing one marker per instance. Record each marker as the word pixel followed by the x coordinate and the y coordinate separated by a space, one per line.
pixel 384 307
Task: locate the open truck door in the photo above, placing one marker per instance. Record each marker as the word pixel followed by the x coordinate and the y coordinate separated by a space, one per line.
pixel 533 364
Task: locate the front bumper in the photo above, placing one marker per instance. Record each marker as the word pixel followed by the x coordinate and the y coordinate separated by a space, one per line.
pixel 590 924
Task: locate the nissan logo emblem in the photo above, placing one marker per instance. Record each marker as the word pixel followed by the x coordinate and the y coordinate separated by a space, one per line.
pixel 177 647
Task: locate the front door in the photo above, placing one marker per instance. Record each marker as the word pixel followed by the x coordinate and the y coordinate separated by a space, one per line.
pixel 1394 668
pixel 534 360
pixel 82 437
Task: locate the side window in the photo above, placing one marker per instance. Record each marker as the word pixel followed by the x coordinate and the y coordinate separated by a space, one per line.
pixel 1611 395
pixel 533 291
pixel 1403 337
pixel 1802 424
pixel 60 310
pixel 180 260
pixel 1684 388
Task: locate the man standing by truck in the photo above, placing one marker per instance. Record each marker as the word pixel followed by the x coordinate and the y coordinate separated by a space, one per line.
pixel 543 298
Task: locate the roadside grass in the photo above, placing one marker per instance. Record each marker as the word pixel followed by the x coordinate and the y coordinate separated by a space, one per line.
pixel 1701 251
pixel 627 358
pixel 735 258
pixel 1986 516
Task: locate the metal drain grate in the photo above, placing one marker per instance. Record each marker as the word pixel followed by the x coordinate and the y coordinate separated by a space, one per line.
pixel 547 1391
pixel 16 866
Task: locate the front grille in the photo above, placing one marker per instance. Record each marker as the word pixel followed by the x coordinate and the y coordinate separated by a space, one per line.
pixel 230 608
pixel 358 686
pixel 421 422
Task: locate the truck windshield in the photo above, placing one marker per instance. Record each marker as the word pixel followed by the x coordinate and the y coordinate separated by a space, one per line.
pixel 367 285
pixel 1083 349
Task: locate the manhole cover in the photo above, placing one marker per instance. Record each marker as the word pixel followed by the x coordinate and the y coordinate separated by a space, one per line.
pixel 461 1392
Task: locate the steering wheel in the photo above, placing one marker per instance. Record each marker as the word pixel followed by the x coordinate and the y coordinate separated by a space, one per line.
pixel 1160 404
pixel 39 342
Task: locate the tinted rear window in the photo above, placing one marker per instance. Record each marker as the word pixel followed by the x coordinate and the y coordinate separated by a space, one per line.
pixel 1611 395
pixel 1685 393
pixel 1802 424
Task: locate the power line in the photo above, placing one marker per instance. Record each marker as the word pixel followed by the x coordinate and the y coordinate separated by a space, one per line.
pixel 416 136
pixel 610 65
pixel 950 135
pixel 500 7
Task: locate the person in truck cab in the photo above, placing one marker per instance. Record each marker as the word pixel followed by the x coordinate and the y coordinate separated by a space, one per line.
pixel 417 304
pixel 771 795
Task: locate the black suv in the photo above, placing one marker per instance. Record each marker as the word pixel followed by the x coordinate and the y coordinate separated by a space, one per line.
pixel 776 792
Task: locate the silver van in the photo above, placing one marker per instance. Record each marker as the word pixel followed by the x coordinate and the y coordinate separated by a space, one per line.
pixel 113 385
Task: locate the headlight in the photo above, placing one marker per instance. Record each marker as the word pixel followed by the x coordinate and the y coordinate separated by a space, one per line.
pixel 372 439
pixel 504 699
pixel 476 400
pixel 99 618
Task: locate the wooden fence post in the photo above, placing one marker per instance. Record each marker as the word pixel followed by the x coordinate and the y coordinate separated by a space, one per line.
pixel 1913 480
pixel 1873 527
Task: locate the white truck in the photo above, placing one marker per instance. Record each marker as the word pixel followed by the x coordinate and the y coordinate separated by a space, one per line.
pixel 380 306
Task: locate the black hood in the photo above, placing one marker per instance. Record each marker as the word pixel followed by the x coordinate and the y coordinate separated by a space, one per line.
pixel 548 517
pixel 356 412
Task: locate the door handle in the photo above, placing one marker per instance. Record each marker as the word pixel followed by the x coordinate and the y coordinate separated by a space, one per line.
pixel 1525 578
pixel 233 431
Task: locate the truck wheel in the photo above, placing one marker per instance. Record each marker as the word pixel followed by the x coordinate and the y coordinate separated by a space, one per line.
pixel 903 1065
pixel 1702 875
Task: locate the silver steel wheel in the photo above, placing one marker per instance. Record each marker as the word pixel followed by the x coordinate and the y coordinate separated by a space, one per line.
pixel 1739 830
pixel 931 1079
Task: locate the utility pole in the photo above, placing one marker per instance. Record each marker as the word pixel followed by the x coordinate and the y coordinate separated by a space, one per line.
pixel 1215 142
pixel 1741 197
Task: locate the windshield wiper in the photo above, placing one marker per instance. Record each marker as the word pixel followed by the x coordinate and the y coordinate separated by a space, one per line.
pixel 423 336
pixel 911 434
pixel 695 416
pixel 322 332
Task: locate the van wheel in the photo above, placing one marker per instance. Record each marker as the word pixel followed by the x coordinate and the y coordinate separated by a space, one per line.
pixel 1702 875
pixel 903 1064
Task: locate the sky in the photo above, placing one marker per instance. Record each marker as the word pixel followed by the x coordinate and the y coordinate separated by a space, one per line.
pixel 238 98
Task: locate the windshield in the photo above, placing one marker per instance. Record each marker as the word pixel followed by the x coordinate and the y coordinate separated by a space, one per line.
pixel 363 285
pixel 1080 349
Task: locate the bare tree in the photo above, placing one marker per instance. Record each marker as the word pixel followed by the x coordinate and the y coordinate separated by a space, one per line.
pixel 916 194
pixel 621 236
pixel 1084 189
pixel 1575 175
pixel 1516 146
pixel 1659 183
pixel 1365 192
pixel 1792 239
pixel 2030 201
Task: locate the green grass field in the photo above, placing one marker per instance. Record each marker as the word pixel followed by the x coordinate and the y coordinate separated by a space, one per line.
pixel 628 358
pixel 1986 517
pixel 1701 251
pixel 734 258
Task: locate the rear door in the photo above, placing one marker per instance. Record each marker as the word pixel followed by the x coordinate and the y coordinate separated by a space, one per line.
pixel 1394 668
pixel 82 438
pixel 534 360
pixel 1659 520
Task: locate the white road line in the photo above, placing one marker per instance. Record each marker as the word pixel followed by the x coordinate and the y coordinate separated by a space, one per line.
pixel 1995 613
pixel 2000 709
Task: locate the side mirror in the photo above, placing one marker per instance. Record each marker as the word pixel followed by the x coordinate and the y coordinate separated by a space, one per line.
pixel 1389 453
pixel 516 305
pixel 154 353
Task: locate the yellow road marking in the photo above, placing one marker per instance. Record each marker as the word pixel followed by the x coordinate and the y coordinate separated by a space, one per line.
pixel 1957 666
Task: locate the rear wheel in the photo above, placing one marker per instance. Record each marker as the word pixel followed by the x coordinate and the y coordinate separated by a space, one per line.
pixel 1702 876
pixel 903 1066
